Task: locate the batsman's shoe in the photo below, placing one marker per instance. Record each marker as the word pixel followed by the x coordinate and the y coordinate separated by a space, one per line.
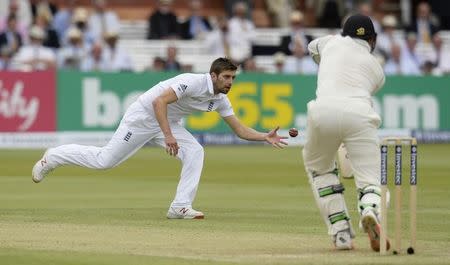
pixel 343 240
pixel 41 168
pixel 372 227
pixel 184 213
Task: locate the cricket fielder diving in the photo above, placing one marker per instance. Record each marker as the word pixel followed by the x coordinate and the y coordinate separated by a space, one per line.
pixel 156 117
pixel 342 113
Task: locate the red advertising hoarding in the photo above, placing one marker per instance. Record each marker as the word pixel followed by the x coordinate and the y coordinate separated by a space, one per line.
pixel 27 101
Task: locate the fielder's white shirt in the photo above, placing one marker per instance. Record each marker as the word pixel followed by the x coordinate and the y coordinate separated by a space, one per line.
pixel 195 93
pixel 347 69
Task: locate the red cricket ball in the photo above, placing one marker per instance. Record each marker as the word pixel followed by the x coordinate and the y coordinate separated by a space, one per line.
pixel 293 132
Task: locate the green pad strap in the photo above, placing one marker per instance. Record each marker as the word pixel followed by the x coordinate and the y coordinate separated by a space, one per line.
pixel 338 217
pixel 332 189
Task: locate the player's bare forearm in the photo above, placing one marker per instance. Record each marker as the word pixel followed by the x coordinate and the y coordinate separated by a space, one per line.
pixel 243 131
pixel 160 109
pixel 250 134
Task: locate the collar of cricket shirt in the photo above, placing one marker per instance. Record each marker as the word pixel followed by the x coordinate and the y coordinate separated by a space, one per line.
pixel 362 43
pixel 209 84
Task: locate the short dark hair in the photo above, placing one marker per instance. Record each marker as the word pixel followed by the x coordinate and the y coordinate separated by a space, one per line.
pixel 222 64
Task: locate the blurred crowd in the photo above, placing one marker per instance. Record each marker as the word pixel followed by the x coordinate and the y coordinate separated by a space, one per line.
pixel 36 35
pixel 39 35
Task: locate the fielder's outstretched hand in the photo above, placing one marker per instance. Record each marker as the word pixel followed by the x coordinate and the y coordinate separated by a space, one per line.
pixel 274 139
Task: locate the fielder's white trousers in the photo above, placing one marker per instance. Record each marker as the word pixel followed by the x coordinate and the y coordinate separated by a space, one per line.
pixel 349 121
pixel 136 128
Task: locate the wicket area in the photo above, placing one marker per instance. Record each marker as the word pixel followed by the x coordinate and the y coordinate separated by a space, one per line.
pixel 398 143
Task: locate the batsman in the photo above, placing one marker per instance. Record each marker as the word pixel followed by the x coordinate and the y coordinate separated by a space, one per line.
pixel 342 113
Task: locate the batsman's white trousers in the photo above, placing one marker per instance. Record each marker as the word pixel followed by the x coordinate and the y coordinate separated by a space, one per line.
pixel 136 128
pixel 352 122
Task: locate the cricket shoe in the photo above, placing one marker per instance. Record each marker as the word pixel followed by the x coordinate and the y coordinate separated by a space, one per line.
pixel 343 240
pixel 184 213
pixel 41 168
pixel 372 227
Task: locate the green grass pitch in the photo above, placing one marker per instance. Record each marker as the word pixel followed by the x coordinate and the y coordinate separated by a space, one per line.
pixel 258 205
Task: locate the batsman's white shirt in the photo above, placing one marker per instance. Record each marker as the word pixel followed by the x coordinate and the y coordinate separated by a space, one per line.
pixel 139 125
pixel 347 69
pixel 342 113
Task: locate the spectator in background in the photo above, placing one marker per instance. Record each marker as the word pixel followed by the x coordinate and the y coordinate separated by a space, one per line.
pixel 444 59
pixel 409 54
pixel 279 60
pixel 218 40
pixel 365 8
pixel 162 24
pixel 102 20
pixel 441 10
pixel 425 25
pixel 5 59
pixel 387 37
pixel 444 63
pixel 51 40
pixel 300 62
pixel 425 28
pixel 10 39
pixel 429 68
pixel 73 53
pixel 398 64
pixel 297 34
pixel 95 61
pixel 80 20
pixel 249 66
pixel 171 63
pixel 241 33
pixel 35 56
pixel 21 9
pixel 229 8
pixel 196 26
pixel 279 11
pixel 118 59
pixel 411 41
pixel 63 18
pixel 43 6
pixel 328 12
pixel 158 65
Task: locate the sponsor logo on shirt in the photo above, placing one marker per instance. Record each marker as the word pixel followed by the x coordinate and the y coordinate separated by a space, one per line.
pixel 210 106
pixel 182 88
pixel 128 136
